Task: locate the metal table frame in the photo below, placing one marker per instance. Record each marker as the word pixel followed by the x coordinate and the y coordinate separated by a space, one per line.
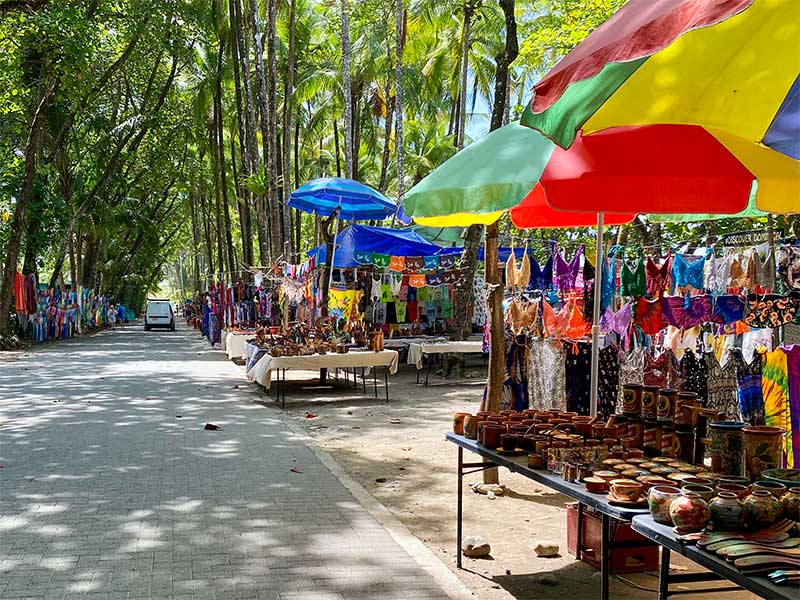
pixel 573 490
pixel 718 568
pixel 428 357
pixel 280 381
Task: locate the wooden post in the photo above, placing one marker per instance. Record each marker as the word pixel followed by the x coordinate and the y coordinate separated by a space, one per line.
pixel 497 348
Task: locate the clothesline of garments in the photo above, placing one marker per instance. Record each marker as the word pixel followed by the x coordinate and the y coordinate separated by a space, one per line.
pixel 48 314
pixel 238 305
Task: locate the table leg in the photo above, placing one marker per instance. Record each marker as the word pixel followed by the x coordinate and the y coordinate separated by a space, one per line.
pixel 605 558
pixel 386 381
pixel 363 381
pixel 283 402
pixel 323 376
pixel 375 379
pixel 428 372
pixel 418 370
pixel 460 506
pixel 579 543
pixel 663 574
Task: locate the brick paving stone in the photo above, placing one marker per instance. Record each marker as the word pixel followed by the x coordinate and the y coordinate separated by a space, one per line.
pixel 106 494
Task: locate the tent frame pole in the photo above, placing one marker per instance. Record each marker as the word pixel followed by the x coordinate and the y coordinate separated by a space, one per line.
pixel 598 298
pixel 333 259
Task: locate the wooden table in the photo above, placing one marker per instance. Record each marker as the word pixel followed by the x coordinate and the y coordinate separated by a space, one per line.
pixel 519 464
pixel 262 370
pixel 416 352
pixel 719 568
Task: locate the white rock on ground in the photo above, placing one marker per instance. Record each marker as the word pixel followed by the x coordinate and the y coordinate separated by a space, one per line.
pixel 475 546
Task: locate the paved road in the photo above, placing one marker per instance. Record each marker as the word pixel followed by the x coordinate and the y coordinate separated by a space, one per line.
pixel 106 493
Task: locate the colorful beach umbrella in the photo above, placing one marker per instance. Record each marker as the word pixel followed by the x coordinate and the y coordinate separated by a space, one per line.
pixel 354 200
pixel 731 67
pixel 487 179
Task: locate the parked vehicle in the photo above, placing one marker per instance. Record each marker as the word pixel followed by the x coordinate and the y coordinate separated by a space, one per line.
pixel 159 313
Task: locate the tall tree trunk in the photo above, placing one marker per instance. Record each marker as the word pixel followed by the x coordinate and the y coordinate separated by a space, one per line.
pixel 242 193
pixel 277 233
pixel 266 240
pixel 195 240
pixel 288 104
pixel 347 91
pixel 32 146
pixel 462 91
pixel 298 216
pixel 336 148
pixel 223 179
pixel 398 99
pixel 214 156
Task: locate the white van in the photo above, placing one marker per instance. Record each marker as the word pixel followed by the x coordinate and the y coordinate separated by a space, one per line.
pixel 159 314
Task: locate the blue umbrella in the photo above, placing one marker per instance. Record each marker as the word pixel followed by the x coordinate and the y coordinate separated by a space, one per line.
pixel 355 201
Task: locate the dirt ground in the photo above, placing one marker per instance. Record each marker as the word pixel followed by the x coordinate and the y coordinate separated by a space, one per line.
pixel 398 452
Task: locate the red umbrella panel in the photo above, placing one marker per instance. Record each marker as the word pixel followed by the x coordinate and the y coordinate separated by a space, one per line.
pixel 646 169
pixel 535 213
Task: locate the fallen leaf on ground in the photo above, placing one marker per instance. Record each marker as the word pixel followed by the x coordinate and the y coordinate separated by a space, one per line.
pixel 395 421
pixel 178 417
pixel 405 449
pixel 677 567
pixel 310 415
pixel 295 470
pixel 212 427
pixel 236 387
pixel 380 480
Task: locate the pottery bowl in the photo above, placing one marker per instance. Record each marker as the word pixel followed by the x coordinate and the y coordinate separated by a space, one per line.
pixel 788 477
pixel 627 491
pixel 606 475
pixel 508 441
pixel 776 488
pixel 699 480
pixel 535 461
pixel 596 485
pixel 741 491
pixel 704 491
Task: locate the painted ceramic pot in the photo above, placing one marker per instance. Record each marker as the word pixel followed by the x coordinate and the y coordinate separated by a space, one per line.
pixel 763 449
pixel 631 398
pixel 745 481
pixel 665 405
pixel 788 477
pixel 773 487
pixel 659 500
pixel 727 512
pixel 704 491
pixel 727 447
pixel 763 509
pixel 740 491
pixel 649 401
pixel 791 503
pixel 471 427
pixel 491 435
pixel 689 512
pixel 458 422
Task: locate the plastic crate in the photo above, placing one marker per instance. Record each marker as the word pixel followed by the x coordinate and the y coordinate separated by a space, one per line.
pixel 623 560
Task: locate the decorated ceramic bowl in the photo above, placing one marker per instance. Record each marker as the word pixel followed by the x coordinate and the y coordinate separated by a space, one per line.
pixel 606 475
pixel 680 476
pixel 691 469
pixel 635 473
pixel 637 461
pixel 663 470
pixel 663 459
pixel 610 462
pixel 621 467
pixel 788 477
pixel 649 465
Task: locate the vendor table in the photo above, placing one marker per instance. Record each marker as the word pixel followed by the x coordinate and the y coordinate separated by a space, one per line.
pixel 417 351
pixel 519 464
pixel 720 569
pixel 261 372
pixel 251 354
pixel 233 343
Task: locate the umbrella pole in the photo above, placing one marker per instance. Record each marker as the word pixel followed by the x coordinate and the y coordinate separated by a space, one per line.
pixel 598 298
pixel 333 258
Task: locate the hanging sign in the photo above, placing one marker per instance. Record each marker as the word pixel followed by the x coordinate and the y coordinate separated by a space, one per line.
pixel 750 238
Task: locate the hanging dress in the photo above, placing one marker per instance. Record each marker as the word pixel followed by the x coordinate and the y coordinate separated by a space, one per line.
pixel 722 387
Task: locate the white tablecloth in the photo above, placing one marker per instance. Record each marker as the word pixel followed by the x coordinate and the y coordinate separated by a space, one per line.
pixel 251 354
pixel 262 370
pixel 233 344
pixel 415 351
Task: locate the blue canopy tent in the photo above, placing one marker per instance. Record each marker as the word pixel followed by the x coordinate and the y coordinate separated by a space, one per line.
pixel 381 240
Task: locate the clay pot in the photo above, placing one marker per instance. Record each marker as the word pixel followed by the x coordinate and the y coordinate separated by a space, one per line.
pixel 497 418
pixel 763 509
pixel 535 461
pixel 596 485
pixel 484 413
pixel 651 481
pixel 631 398
pixel 491 435
pixel 517 417
pixel 471 427
pixel 773 487
pixel 506 412
pixel 665 405
pixel 763 449
pixel 635 454
pixel 540 428
pixel 727 447
pixel 704 491
pixel 627 491
pixel 683 410
pixel 567 416
pixel 627 442
pixel 790 502
pixel 606 475
pixel 659 499
pixel 584 428
pixel 649 402
pixel 508 441
pixel 592 442
pixel 727 512
pixel 740 491
pixel 689 512
pixel 458 422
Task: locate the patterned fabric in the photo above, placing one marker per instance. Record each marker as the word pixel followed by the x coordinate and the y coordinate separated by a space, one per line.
pixel 655 369
pixel 608 380
pixel 481 296
pixel 515 386
pixel 631 370
pixel 578 376
pixel 750 394
pixel 775 386
pixel 793 367
pixel 770 310
pixel 546 363
pixel 722 387
pixel 694 374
